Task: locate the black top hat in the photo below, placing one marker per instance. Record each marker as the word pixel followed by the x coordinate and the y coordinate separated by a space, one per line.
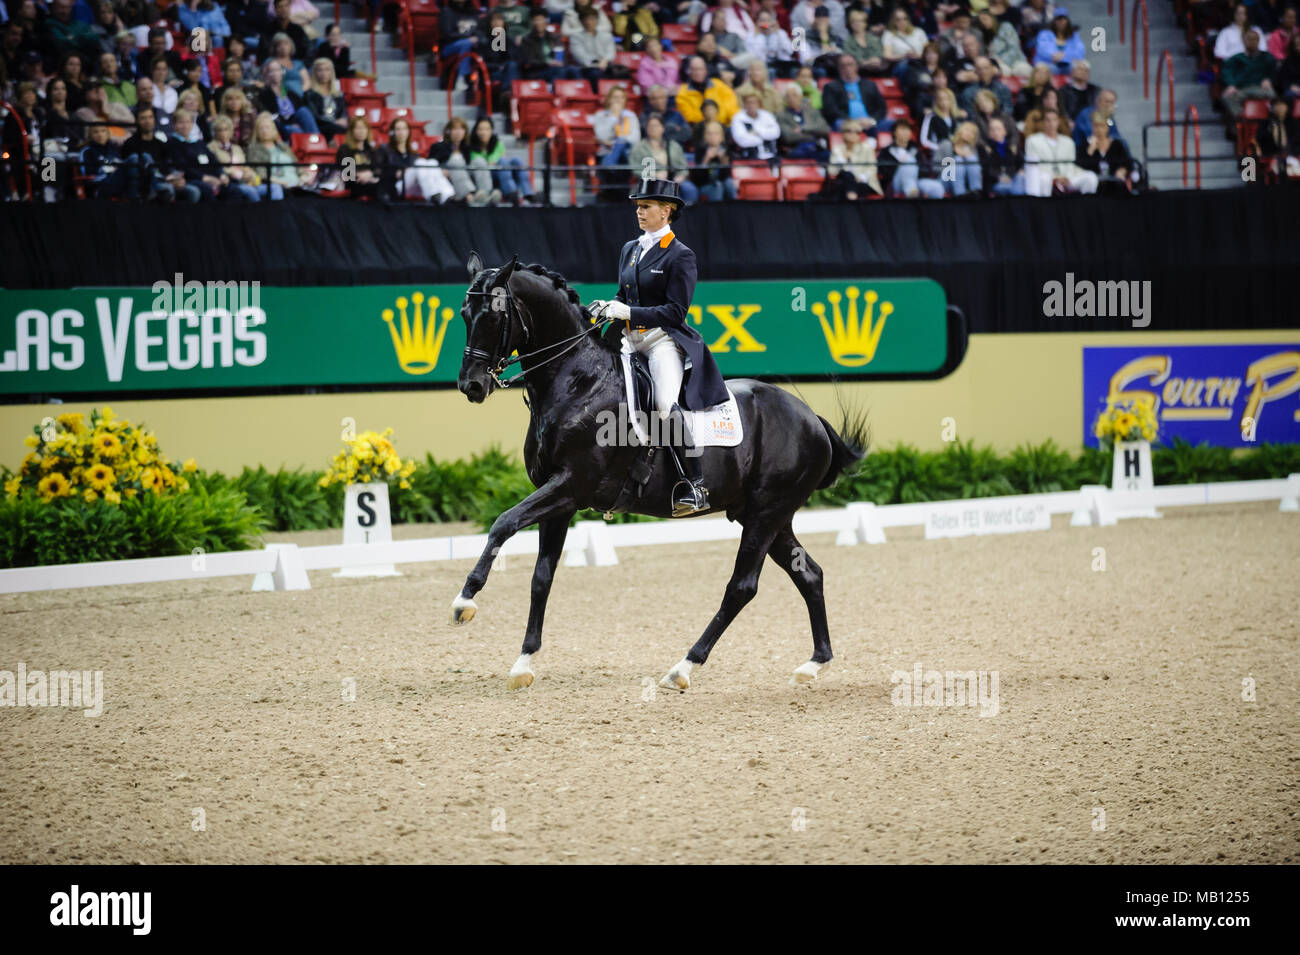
pixel 665 190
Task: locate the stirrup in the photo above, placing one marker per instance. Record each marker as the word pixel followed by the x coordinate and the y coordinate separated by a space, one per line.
pixel 693 499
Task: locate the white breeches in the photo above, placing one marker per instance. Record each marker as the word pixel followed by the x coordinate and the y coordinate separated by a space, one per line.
pixel 666 360
pixel 426 180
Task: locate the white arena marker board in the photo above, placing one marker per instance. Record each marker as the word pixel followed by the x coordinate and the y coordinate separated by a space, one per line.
pixel 367 520
pixel 992 515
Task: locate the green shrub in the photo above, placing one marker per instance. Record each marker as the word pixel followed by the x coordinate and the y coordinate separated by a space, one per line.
pixel 1186 463
pixel 70 530
pixel 1041 469
pixel 288 500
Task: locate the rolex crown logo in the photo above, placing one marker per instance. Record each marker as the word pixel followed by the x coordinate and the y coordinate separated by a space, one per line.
pixel 416 339
pixel 853 339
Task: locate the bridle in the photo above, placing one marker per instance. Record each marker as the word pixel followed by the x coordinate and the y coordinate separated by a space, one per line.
pixel 503 348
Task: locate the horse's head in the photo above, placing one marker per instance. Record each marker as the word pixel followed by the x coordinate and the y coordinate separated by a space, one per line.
pixel 490 327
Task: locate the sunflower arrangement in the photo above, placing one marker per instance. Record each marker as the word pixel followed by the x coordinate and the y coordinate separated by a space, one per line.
pixel 104 459
pixel 369 458
pixel 1126 420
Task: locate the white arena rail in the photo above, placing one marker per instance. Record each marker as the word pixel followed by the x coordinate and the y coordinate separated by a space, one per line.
pixel 595 543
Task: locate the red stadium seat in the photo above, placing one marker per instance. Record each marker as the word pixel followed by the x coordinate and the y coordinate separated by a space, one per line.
pixel 311 147
pixel 386 117
pixel 531 104
pixel 799 180
pixel 574 125
pixel 424 24
pixel 755 182
pixel 576 94
pixel 628 59
pixel 1253 112
pixel 684 38
pixel 889 87
pixel 1014 84
pixel 836 139
pixel 884 141
pixel 362 92
pixel 1059 81
pixel 898 111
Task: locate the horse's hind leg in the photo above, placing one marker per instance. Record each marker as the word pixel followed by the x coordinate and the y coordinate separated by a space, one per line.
pixel 755 540
pixel 791 556
pixel 550 544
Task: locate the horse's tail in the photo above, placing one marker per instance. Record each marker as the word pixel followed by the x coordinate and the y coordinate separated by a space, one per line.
pixel 848 446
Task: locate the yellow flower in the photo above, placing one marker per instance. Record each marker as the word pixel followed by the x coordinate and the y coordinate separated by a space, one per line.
pixel 32 441
pixel 189 466
pixel 54 485
pixel 74 421
pixel 150 480
pixel 143 456
pixel 108 444
pixel 90 495
pixel 100 476
pixel 112 497
pixel 129 492
pixel 12 486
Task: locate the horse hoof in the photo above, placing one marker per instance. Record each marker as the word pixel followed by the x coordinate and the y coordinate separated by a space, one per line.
pixel 807 672
pixel 462 610
pixel 521 674
pixel 678 678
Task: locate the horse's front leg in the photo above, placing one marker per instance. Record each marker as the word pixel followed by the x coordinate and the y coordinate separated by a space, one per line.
pixel 551 499
pixel 550 544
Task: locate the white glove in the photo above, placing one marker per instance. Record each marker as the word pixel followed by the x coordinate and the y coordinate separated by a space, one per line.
pixel 617 311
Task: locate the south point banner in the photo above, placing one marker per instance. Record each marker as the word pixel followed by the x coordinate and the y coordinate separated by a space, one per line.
pixel 193 336
pixel 1235 396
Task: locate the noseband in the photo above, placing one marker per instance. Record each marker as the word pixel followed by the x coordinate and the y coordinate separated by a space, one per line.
pixel 512 313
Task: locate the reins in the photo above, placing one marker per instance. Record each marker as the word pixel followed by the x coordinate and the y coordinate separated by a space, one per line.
pixel 500 367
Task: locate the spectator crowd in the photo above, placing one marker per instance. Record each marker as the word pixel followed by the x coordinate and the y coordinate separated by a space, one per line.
pixel 908 98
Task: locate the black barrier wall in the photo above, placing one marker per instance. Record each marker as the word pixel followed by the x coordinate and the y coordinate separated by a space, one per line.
pixel 1214 260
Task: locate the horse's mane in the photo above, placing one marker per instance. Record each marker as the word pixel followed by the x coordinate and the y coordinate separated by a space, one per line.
pixel 561 284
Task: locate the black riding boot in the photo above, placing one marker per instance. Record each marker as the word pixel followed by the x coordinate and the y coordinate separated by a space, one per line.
pixel 689 494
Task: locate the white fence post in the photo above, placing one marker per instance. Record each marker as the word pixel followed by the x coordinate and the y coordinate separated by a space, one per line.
pixel 590 546
pixel 861 525
pixel 289 573
pixel 1291 499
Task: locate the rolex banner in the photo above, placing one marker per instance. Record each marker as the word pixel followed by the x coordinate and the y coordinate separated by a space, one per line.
pixel 209 336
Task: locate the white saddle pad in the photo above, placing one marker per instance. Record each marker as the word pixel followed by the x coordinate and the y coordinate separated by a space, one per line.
pixel 719 426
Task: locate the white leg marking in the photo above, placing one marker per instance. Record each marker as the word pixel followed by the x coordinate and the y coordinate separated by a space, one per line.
pixel 463 610
pixel 521 674
pixel 807 672
pixel 679 677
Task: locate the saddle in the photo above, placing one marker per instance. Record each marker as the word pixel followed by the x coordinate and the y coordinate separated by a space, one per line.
pixel 642 387
pixel 719 426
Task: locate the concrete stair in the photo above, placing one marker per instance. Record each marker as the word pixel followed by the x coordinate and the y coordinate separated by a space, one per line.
pixel 393 76
pixel 1112 68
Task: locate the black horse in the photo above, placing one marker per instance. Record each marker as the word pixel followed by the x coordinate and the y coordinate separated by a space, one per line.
pixel 571 375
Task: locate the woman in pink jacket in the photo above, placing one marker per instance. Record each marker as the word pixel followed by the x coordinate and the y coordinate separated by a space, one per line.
pixel 656 69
